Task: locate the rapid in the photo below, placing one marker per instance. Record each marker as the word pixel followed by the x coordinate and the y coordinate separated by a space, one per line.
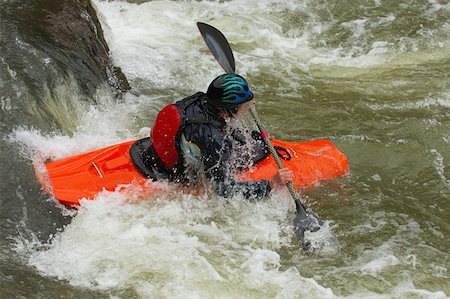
pixel 371 76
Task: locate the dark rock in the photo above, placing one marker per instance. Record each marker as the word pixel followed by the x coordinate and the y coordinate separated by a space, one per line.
pixel 66 31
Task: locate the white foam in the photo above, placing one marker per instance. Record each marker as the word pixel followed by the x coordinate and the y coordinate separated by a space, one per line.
pixel 439 165
pixel 437 6
pixel 408 289
pixel 441 101
pixel 378 264
pixel 355 138
pixel 158 41
pixel 101 125
pixel 55 146
pixel 178 245
pixel 262 267
pixel 405 289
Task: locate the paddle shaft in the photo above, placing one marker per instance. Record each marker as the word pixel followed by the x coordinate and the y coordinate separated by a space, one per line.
pixel 221 50
pixel 299 206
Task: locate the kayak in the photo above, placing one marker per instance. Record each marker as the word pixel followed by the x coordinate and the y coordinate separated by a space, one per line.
pixel 119 166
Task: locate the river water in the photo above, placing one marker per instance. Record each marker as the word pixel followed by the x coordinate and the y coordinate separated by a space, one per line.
pixel 371 76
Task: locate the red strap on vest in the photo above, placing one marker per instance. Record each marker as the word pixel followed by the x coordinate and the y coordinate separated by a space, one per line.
pixel 163 135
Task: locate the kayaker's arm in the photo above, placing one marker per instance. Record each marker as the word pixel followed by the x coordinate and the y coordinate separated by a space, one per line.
pixel 222 174
pixel 249 189
pixel 216 157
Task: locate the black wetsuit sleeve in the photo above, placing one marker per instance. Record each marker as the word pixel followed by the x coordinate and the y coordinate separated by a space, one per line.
pixel 216 157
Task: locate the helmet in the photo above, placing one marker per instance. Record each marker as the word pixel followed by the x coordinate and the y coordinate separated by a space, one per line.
pixel 228 91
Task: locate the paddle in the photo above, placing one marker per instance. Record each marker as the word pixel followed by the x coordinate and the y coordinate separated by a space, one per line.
pixel 221 50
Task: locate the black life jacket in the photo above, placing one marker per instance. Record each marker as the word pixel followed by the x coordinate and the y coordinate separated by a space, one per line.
pixel 159 156
pixel 170 122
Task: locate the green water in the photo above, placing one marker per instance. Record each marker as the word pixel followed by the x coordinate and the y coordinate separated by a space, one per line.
pixel 371 76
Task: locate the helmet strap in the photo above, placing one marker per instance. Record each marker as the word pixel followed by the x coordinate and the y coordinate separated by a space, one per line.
pixel 231 111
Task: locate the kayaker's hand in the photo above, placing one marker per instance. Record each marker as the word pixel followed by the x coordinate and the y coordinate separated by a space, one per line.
pixel 281 178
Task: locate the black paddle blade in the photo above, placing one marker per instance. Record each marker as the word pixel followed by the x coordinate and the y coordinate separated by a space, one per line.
pixel 306 221
pixel 218 45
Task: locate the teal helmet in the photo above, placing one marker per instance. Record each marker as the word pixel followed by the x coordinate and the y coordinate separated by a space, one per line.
pixel 228 91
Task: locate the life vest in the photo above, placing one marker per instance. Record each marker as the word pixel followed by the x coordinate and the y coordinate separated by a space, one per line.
pixel 169 124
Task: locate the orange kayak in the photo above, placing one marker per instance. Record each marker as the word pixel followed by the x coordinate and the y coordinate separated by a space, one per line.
pixel 115 167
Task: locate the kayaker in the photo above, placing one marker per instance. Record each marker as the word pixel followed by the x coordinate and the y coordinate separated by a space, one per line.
pixel 192 135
